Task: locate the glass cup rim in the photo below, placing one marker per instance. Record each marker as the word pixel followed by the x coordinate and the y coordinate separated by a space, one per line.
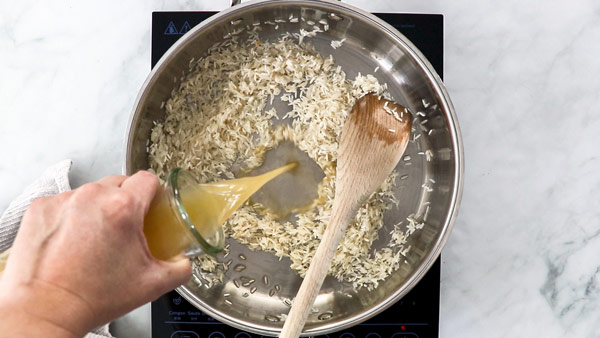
pixel 173 183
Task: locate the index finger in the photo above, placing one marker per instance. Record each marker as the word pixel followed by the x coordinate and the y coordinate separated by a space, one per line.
pixel 143 185
pixel 113 180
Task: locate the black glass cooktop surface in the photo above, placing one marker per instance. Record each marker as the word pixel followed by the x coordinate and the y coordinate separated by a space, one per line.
pixel 415 315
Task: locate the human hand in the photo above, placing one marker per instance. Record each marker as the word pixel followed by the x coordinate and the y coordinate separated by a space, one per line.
pixel 80 258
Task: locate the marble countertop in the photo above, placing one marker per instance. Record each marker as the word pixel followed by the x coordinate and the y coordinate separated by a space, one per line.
pixel 524 78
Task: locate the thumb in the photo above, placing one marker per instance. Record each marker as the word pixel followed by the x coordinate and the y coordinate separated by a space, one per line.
pixel 175 272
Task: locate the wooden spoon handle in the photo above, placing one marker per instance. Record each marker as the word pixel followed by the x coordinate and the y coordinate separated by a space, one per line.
pixel 309 289
pixel 372 141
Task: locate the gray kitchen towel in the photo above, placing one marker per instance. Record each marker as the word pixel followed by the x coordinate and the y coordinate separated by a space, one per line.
pixel 53 181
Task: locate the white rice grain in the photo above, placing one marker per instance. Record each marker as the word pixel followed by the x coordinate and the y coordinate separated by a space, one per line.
pixel 335 44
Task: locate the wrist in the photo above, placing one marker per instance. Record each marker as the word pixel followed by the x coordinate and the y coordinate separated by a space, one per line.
pixel 42 310
pixel 18 322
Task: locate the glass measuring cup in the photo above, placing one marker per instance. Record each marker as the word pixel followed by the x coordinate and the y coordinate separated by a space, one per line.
pixel 169 228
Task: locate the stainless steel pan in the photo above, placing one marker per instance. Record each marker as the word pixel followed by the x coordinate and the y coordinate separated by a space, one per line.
pixel 431 191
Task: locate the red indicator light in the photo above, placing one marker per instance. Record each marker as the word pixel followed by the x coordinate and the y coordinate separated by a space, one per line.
pixel 402 327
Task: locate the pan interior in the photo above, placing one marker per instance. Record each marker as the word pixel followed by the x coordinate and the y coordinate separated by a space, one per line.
pixel 255 298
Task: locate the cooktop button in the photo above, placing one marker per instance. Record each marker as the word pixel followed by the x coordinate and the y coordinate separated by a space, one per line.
pixel 184 334
pixel 243 335
pixel 216 334
pixel 347 335
pixel 373 335
pixel 405 335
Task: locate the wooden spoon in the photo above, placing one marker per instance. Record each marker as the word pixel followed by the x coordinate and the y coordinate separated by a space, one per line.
pixel 373 140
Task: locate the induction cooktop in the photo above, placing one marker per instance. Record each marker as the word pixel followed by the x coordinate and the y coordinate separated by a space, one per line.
pixel 415 315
